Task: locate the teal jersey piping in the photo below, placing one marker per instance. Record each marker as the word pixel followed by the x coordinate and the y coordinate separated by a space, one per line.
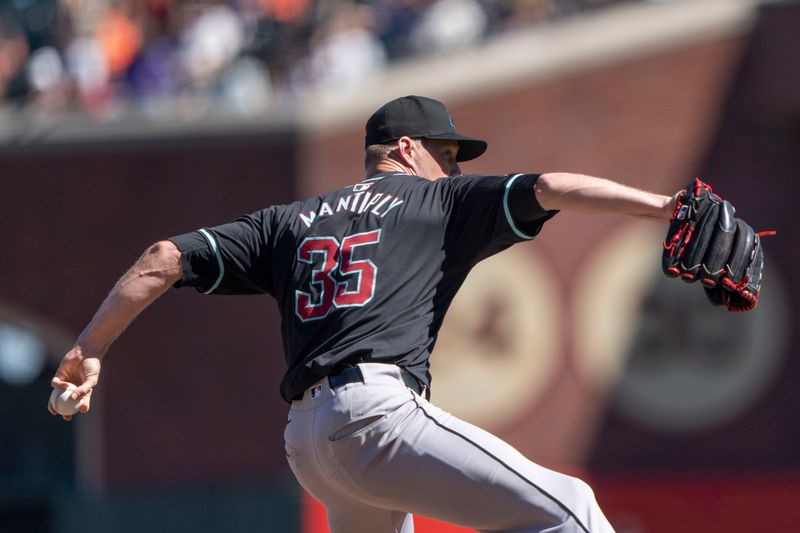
pixel 213 243
pixel 509 218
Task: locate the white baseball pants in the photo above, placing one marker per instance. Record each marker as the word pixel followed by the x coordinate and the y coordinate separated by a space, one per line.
pixel 375 452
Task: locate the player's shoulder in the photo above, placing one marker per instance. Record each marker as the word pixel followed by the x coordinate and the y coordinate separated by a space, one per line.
pixel 474 182
pixel 472 178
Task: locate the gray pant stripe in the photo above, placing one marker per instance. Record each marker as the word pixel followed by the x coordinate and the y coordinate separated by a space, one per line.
pixel 507 467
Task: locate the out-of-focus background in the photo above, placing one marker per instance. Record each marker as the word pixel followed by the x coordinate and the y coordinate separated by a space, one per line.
pixel 126 121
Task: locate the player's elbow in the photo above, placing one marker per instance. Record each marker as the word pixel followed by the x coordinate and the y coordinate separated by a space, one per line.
pixel 163 259
pixel 549 187
pixel 164 252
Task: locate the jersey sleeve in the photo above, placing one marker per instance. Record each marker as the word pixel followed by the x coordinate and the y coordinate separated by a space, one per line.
pixel 486 214
pixel 233 258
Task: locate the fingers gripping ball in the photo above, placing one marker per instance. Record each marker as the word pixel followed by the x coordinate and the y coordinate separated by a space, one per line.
pixel 62 402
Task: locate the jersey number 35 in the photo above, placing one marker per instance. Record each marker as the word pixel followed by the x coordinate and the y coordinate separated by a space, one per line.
pixel 339 280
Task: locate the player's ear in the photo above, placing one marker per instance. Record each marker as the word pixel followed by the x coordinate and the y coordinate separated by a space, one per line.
pixel 406 146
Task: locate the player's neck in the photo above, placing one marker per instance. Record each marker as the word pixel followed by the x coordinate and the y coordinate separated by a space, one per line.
pixel 387 165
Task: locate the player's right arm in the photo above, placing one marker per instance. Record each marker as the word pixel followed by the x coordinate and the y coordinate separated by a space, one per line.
pixel 158 269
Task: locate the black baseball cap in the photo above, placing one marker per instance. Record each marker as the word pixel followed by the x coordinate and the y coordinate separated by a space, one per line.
pixel 419 117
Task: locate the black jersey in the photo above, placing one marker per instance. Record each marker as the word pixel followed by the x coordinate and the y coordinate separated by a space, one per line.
pixel 364 273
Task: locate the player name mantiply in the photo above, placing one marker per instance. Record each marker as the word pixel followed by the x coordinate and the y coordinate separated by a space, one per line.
pixel 379 204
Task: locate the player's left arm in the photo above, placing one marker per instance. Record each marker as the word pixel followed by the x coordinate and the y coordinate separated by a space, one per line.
pixel 580 193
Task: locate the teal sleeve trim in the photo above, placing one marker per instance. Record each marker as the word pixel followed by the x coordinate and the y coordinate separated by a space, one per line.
pixel 509 218
pixel 213 243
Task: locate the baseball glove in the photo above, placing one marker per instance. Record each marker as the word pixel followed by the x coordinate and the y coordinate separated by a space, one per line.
pixel 706 242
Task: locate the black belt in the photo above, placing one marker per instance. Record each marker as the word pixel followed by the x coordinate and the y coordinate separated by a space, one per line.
pixel 353 374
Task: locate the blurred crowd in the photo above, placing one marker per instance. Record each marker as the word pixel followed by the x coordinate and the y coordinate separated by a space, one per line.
pixel 108 56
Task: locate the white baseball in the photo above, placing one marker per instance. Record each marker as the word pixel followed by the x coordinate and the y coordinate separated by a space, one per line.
pixel 62 401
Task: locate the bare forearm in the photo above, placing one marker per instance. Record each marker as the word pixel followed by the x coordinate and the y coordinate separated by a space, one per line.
pixel 149 277
pixel 588 194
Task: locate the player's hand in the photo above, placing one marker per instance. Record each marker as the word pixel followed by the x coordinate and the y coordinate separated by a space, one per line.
pixel 80 370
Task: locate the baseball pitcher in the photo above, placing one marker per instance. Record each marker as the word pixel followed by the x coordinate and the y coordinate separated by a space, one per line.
pixel 363 277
